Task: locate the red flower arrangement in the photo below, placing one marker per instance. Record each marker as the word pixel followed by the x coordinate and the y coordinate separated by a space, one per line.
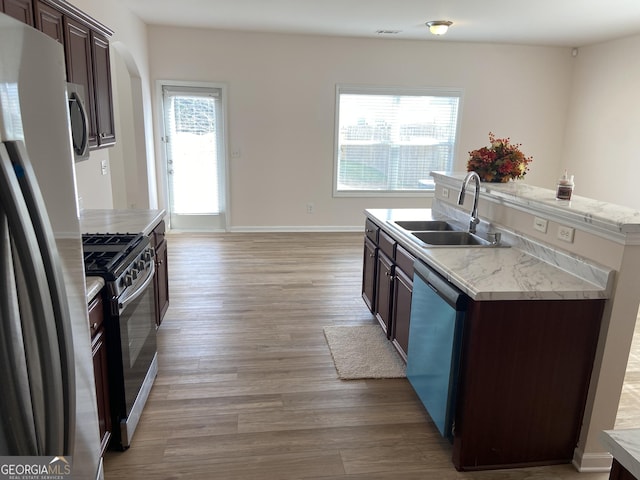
pixel 500 162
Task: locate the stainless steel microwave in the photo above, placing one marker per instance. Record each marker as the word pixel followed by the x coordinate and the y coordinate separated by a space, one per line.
pixel 79 121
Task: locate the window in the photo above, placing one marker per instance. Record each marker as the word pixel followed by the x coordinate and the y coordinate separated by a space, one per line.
pixel 388 140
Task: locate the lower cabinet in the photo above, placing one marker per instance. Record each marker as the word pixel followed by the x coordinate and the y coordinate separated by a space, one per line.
pixel 401 314
pixel 161 277
pixel 100 370
pixel 369 264
pixel 524 375
pixel 384 291
pixel 387 283
pixel 618 472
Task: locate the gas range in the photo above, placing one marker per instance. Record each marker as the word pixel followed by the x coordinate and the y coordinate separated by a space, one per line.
pixel 126 262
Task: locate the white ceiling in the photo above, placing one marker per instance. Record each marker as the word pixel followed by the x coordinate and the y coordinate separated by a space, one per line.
pixel 570 23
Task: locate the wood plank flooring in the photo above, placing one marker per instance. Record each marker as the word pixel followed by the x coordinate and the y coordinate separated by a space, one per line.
pixel 247 388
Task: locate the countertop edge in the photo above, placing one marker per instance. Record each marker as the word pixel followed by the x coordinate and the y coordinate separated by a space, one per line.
pixel 121 221
pixel 624 445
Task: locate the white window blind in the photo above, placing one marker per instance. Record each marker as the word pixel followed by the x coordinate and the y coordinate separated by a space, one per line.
pixel 389 140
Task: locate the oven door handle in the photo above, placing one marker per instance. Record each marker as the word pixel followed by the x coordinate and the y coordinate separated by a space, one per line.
pixel 122 305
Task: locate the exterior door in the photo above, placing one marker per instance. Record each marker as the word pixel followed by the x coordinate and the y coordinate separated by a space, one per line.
pixel 195 155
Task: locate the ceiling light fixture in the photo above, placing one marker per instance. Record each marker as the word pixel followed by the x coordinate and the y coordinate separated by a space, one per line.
pixel 439 27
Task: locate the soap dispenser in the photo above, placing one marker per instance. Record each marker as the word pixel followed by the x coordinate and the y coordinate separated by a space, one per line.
pixel 565 187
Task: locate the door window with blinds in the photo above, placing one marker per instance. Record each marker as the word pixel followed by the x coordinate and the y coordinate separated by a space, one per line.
pixel 194 140
pixel 388 140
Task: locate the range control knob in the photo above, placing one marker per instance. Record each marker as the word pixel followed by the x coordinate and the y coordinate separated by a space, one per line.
pixel 140 265
pixel 134 273
pixel 128 280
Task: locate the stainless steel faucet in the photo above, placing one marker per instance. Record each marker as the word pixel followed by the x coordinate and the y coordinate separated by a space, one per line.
pixel 474 211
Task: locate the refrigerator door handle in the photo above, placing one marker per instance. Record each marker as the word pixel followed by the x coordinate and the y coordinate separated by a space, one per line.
pixel 23 204
pixel 17 430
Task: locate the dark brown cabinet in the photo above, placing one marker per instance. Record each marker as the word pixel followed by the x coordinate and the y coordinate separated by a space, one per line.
pixel 100 370
pixel 369 265
pixel 618 472
pixel 387 284
pixel 86 44
pixel 49 21
pixel 384 291
pixel 79 70
pixel 524 375
pixel 103 108
pixel 161 277
pixel 19 9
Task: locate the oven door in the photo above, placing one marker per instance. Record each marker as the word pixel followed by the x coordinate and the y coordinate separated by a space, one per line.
pixel 137 312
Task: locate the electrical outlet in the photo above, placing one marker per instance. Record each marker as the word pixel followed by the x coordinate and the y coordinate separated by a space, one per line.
pixel 540 224
pixel 565 233
pixel 445 192
pixel 104 167
pixel 310 208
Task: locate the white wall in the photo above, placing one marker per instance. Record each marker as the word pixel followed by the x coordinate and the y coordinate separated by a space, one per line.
pixel 282 102
pixel 603 140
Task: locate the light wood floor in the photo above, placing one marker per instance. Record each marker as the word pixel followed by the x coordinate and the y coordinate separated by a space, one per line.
pixel 247 388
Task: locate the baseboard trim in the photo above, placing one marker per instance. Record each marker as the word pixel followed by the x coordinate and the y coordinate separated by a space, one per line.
pixel 591 462
pixel 297 229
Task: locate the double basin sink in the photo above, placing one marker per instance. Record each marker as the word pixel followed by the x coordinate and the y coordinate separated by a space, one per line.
pixel 440 233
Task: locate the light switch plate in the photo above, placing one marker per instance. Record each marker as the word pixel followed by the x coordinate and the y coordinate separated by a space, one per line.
pixel 565 233
pixel 103 167
pixel 445 192
pixel 540 224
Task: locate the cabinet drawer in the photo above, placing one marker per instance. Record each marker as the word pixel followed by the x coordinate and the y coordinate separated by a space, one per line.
pixel 386 244
pixel 405 260
pixel 157 236
pixel 371 231
pixel 96 315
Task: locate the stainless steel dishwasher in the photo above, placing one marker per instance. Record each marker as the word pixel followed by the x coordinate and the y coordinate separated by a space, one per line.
pixel 435 334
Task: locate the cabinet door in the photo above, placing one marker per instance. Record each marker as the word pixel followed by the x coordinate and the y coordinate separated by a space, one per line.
pixel 79 69
pixel 19 9
pixel 402 291
pixel 524 378
pixel 161 281
pixel 102 90
pixel 100 370
pixel 384 292
pixel 49 21
pixel 369 274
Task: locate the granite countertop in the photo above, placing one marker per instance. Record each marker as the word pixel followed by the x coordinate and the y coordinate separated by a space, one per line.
pixel 624 445
pixel 120 221
pixel 498 273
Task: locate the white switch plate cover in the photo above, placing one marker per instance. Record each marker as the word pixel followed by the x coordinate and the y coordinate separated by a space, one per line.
pixel 540 224
pixel 103 167
pixel 565 233
pixel 445 192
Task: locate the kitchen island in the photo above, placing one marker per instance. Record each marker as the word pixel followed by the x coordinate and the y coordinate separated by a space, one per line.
pixel 561 292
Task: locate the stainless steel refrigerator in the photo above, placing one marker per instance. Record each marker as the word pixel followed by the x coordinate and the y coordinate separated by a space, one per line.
pixel 48 403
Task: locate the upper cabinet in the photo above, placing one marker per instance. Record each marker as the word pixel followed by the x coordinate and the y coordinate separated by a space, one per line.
pixel 18 9
pixel 49 21
pixel 103 95
pixel 86 48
